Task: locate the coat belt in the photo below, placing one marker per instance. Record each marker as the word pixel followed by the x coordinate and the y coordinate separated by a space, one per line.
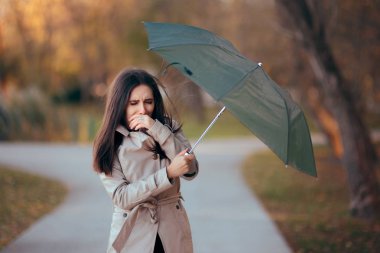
pixel 151 204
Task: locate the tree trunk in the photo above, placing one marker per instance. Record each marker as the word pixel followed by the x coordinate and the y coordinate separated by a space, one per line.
pixel 327 123
pixel 306 19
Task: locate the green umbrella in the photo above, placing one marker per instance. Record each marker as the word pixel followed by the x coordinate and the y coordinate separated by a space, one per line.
pixel 241 85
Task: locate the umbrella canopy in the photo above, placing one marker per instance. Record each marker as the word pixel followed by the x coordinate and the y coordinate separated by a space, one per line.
pixel 241 85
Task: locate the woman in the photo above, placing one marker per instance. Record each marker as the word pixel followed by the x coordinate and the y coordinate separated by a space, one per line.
pixel 139 153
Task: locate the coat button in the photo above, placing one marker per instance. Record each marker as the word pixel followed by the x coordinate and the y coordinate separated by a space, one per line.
pixel 177 206
pixel 125 215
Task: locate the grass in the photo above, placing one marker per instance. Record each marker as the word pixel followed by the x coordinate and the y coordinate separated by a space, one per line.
pixel 227 126
pixel 24 199
pixel 311 213
pixel 80 122
pixel 83 122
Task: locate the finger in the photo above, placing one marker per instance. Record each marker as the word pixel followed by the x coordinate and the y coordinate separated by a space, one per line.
pixel 137 122
pixel 182 153
pixel 133 118
pixel 136 116
pixel 187 152
pixel 133 124
pixel 136 125
pixel 140 126
pixel 189 157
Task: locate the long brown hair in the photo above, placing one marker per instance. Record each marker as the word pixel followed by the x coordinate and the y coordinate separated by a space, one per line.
pixel 107 139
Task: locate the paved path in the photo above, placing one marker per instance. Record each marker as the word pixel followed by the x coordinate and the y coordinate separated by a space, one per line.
pixel 224 215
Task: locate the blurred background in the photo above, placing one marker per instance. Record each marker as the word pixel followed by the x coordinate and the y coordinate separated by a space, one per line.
pixel 58 58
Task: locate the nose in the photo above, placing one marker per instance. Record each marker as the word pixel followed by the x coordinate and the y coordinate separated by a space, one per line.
pixel 142 109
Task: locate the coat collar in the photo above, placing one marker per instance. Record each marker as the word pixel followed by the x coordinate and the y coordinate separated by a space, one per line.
pixel 121 129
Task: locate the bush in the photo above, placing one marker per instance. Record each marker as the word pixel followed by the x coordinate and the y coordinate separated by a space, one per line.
pixel 23 115
pixel 30 115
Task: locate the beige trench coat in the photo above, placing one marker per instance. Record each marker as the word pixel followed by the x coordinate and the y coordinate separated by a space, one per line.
pixel 145 201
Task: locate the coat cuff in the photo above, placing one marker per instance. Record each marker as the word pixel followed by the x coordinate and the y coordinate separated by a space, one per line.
pixel 159 132
pixel 162 181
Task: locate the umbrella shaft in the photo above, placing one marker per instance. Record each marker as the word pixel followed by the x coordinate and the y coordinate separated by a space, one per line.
pixel 208 128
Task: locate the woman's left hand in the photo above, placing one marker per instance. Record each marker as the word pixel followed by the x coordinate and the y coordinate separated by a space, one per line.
pixel 141 122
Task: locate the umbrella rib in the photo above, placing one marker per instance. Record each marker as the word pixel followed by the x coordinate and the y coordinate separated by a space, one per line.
pixel 286 106
pixel 287 118
pixel 233 50
pixel 236 85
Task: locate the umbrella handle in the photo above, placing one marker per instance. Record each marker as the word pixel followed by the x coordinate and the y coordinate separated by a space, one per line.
pixel 204 133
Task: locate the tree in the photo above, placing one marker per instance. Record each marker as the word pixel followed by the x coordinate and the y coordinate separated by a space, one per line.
pixel 308 22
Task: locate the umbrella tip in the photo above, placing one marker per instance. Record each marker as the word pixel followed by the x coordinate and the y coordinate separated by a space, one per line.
pixel 260 64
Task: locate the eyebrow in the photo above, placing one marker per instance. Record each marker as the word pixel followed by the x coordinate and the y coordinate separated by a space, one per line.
pixel 136 100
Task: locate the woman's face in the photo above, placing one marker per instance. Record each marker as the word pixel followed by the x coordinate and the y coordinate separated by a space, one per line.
pixel 141 102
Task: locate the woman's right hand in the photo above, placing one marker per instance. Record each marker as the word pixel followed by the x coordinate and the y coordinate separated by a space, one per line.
pixel 180 165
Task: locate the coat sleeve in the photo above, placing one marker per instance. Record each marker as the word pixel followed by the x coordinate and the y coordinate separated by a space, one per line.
pixel 127 195
pixel 172 144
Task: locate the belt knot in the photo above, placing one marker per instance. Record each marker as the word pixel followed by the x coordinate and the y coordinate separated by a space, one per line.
pixel 152 205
